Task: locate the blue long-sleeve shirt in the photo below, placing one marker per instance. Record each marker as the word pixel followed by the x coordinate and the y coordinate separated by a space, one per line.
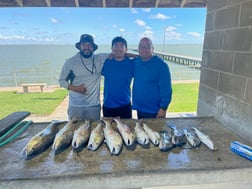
pixel 152 88
pixel 117 79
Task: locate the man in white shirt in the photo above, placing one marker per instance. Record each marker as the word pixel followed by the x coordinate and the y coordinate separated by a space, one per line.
pixel 81 75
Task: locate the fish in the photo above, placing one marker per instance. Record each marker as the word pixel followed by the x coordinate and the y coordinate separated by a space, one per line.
pixel 141 137
pixel 178 137
pixel 112 138
pixel 42 140
pixel 96 137
pixel 64 137
pixel 153 135
pixel 165 143
pixel 192 137
pixel 81 135
pixel 127 135
pixel 205 139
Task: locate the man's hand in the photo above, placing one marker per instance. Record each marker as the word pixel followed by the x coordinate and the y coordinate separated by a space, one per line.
pixel 161 113
pixel 79 89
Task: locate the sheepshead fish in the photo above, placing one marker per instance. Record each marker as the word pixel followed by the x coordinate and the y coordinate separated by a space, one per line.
pixel 41 141
pixel 81 135
pixel 126 133
pixel 141 137
pixel 64 137
pixel 205 139
pixel 96 137
pixel 153 135
pixel 165 143
pixel 192 138
pixel 112 138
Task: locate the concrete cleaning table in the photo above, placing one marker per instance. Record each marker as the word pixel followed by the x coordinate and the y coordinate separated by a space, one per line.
pixel 135 167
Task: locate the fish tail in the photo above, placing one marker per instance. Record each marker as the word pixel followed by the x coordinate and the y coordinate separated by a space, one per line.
pixel 74 144
pixel 90 147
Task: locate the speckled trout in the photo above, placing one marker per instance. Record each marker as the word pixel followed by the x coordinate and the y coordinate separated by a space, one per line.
pixel 96 137
pixel 42 140
pixel 205 139
pixel 112 138
pixel 64 137
pixel 141 137
pixel 81 135
pixel 153 135
pixel 125 131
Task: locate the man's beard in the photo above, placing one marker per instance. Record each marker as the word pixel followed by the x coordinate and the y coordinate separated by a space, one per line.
pixel 86 55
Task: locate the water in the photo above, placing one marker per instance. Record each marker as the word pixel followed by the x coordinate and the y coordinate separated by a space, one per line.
pixel 42 63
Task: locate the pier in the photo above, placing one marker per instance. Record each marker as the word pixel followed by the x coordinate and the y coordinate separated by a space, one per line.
pixel 180 59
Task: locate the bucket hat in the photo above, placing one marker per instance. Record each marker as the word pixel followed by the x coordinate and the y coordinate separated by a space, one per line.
pixel 86 38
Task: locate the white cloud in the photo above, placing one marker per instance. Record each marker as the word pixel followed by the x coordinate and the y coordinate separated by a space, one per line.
pixel 147 33
pixel 146 9
pixel 121 29
pixel 12 37
pixel 25 38
pixel 159 16
pixel 140 22
pixel 54 21
pixel 147 27
pixel 133 11
pixel 194 34
pixel 172 34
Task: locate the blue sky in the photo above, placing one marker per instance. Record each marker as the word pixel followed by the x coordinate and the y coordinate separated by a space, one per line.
pixel 65 25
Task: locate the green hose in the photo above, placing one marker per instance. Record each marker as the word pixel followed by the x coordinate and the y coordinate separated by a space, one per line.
pixel 16 134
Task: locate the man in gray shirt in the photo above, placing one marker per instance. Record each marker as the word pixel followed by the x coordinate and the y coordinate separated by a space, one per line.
pixel 81 75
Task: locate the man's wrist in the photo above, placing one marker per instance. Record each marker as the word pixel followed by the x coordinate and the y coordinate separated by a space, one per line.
pixel 164 108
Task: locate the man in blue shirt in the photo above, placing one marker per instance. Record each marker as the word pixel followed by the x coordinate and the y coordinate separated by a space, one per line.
pixel 118 73
pixel 152 90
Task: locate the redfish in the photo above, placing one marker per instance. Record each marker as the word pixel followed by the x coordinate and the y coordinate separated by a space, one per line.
pixel 126 133
pixel 96 137
pixel 112 138
pixel 81 135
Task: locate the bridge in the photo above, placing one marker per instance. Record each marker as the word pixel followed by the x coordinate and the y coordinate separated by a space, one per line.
pixel 180 59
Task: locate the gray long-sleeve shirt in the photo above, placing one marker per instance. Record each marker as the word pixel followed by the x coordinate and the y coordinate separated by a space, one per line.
pixel 88 73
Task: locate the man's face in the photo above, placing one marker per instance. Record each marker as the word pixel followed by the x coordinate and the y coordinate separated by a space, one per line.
pixel 145 49
pixel 87 49
pixel 119 49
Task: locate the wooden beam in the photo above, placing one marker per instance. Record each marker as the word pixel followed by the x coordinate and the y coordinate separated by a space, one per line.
pixel 77 3
pixel 48 3
pixel 104 3
pixel 20 3
pixel 182 3
pixel 130 3
pixel 157 3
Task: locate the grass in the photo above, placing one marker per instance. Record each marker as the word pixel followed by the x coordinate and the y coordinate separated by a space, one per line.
pixel 36 103
pixel 184 99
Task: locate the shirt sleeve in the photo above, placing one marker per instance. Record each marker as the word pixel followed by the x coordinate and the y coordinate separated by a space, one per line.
pixel 165 86
pixel 63 76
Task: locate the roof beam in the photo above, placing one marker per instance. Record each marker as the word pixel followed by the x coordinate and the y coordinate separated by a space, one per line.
pixel 130 3
pixel 48 3
pixel 20 3
pixel 157 3
pixel 77 3
pixel 182 3
pixel 104 3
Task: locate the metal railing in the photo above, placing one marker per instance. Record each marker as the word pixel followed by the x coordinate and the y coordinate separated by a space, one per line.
pixel 50 77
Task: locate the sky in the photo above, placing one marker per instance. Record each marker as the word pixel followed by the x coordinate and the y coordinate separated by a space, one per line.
pixel 65 25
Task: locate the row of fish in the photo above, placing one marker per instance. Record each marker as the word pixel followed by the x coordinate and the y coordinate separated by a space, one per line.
pixel 78 137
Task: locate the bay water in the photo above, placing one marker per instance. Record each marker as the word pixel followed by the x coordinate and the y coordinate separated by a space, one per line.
pixel 42 63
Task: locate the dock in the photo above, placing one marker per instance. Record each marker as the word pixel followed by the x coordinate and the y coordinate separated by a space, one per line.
pixel 179 59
